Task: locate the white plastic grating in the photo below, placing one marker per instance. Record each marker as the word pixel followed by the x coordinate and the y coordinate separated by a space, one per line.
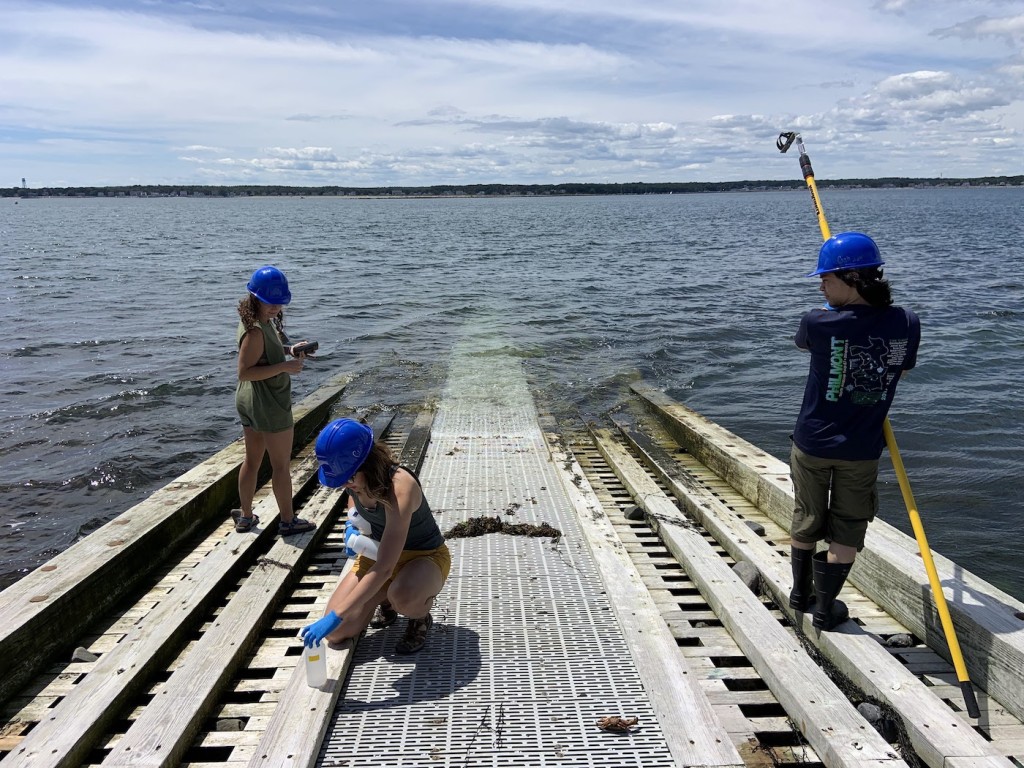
pixel 526 654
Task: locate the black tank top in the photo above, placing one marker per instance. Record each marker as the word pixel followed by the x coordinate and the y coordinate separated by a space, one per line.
pixel 423 531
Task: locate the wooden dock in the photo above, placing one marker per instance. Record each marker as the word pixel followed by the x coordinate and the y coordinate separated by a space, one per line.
pixel 167 639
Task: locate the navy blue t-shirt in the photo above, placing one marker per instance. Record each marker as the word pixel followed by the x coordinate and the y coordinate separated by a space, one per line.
pixel 857 355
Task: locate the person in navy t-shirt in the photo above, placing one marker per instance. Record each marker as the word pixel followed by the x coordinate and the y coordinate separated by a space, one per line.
pixel 860 345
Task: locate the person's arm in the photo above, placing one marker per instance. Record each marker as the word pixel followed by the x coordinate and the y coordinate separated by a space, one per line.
pixel 913 340
pixel 802 338
pixel 249 353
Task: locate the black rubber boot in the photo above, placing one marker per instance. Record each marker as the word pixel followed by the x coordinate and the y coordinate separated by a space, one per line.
pixel 802 594
pixel 829 578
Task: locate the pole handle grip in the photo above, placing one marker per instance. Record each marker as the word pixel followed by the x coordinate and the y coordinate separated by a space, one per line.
pixel 972 703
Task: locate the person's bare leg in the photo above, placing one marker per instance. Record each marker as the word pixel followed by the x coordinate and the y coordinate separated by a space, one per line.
pixel 279 448
pixel 412 591
pixel 840 553
pixel 248 473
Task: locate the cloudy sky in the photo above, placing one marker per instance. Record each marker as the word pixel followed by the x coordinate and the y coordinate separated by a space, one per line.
pixel 419 92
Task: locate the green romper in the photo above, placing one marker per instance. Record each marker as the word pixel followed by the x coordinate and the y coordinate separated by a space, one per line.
pixel 266 406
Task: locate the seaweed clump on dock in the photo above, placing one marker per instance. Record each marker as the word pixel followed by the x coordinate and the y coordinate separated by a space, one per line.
pixel 478 526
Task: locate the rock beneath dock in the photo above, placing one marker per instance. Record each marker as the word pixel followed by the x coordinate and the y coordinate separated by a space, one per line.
pixel 748 574
pixel 83 654
pixel 885 726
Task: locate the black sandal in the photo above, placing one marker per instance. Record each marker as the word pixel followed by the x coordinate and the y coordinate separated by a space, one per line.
pixel 295 525
pixel 383 616
pixel 415 635
pixel 245 524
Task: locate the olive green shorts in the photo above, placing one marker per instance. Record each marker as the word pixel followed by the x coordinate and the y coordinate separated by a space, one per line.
pixel 440 556
pixel 834 499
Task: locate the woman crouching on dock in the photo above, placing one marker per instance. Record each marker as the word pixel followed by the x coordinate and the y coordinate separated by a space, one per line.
pixel 412 560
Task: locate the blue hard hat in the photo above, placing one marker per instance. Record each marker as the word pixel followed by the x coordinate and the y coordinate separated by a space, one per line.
pixel 847 250
pixel 341 448
pixel 269 285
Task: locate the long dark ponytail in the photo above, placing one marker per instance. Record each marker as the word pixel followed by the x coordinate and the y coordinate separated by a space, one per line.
pixel 869 284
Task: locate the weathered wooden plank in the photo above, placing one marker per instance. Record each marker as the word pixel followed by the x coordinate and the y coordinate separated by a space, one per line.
pixel 292 737
pixel 725 696
pixel 693 732
pixel 754 473
pixel 1012 744
pixel 63 738
pixel 418 440
pixel 723 651
pixel 166 727
pixel 262 685
pixel 827 720
pixel 41 614
pixel 989 623
pixel 934 730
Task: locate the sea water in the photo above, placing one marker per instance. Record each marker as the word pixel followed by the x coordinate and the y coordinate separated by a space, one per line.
pixel 119 365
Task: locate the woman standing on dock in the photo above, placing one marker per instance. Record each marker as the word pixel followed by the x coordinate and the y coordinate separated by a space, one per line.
pixel 412 560
pixel 860 346
pixel 263 397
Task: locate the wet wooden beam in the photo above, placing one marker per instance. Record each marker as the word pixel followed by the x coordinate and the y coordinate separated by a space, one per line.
pixel 415 449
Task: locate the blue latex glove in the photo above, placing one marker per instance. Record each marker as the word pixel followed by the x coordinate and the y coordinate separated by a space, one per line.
pixel 313 633
pixel 350 533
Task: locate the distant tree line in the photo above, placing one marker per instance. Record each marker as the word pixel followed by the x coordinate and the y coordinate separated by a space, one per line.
pixel 494 190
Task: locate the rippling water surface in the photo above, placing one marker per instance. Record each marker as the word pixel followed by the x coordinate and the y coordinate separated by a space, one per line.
pixel 119 366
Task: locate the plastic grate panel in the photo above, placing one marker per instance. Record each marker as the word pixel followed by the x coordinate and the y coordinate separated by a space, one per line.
pixel 526 654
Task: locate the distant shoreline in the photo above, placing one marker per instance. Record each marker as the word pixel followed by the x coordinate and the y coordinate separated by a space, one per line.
pixel 499 190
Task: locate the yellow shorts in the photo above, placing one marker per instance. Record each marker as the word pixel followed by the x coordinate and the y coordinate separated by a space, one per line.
pixel 441 557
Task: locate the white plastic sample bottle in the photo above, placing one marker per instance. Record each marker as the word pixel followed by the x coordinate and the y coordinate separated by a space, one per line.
pixel 315 661
pixel 362 544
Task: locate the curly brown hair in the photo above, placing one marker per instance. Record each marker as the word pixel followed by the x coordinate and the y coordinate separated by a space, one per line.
pixel 377 468
pixel 249 311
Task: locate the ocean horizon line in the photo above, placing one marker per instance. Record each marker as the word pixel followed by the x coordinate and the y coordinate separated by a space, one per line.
pixel 499 189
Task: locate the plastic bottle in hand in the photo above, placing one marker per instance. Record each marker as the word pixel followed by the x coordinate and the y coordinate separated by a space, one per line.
pixel 315 661
pixel 361 543
pixel 364 545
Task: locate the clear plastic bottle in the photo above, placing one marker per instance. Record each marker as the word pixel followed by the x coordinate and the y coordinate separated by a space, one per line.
pixel 315 661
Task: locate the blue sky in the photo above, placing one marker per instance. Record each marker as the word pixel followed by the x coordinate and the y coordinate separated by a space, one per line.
pixel 424 92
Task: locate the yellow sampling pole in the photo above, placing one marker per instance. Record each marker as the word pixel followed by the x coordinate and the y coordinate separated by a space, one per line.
pixel 933 576
pixel 785 141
